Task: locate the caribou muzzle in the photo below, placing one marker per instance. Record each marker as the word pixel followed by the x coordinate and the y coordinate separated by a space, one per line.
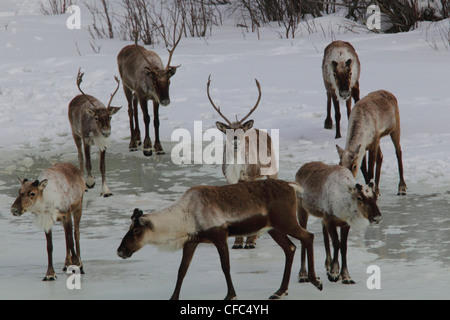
pixel 124 253
pixel 165 102
pixel 345 95
pixel 375 218
pixel 17 212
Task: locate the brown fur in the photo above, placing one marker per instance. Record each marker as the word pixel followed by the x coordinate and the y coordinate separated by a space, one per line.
pixel 373 117
pixel 143 82
pixel 251 171
pixel 338 74
pixel 90 122
pixel 69 204
pixel 216 212
pixel 332 194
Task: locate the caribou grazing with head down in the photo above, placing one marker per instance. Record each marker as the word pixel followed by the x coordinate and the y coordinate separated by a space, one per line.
pixel 243 154
pixel 332 194
pixel 373 117
pixel 340 69
pixel 210 214
pixel 90 121
pixel 145 78
pixel 57 195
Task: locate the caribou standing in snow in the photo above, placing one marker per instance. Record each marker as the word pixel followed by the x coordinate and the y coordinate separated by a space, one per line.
pixel 373 117
pixel 90 121
pixel 242 159
pixel 57 195
pixel 340 69
pixel 144 78
pixel 210 214
pixel 332 194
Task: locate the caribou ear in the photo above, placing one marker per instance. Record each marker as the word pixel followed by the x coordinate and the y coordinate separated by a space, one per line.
pixel 113 110
pixel 340 151
pixel 248 125
pixel 137 213
pixel 22 182
pixel 42 184
pixel 348 62
pixel 172 70
pixel 222 126
pixel 355 189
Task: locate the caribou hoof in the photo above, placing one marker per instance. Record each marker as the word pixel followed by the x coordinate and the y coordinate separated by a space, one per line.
pixel 348 280
pixel 250 246
pixel 328 124
pixel 134 146
pixel 49 277
pixel 148 152
pixel 318 284
pixel 333 277
pixel 90 186
pixel 303 278
pixel 106 195
pixel 158 149
pixel 237 246
pixel 277 296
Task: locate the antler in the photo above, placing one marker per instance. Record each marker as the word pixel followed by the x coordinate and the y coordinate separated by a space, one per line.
pixel 112 96
pixel 210 100
pixel 257 102
pixel 140 50
pixel 175 44
pixel 79 80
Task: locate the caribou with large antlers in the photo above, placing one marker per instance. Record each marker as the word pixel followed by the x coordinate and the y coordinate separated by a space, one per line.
pixel 245 153
pixel 90 121
pixel 145 78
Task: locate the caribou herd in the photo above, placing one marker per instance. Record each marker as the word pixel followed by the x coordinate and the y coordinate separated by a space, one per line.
pixel 253 200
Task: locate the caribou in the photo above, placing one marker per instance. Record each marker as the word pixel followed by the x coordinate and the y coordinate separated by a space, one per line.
pixel 57 195
pixel 144 78
pixel 373 117
pixel 210 214
pixel 340 70
pixel 332 194
pixel 90 121
pixel 243 153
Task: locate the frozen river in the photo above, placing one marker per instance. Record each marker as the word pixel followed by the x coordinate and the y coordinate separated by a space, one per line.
pixel 411 246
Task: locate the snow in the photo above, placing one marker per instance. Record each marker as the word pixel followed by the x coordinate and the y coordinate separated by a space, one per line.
pixel 39 60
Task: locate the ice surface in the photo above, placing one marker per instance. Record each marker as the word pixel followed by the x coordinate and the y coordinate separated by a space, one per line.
pixel 38 63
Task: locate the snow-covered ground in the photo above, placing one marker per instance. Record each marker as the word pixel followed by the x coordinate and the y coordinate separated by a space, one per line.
pixel 39 60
